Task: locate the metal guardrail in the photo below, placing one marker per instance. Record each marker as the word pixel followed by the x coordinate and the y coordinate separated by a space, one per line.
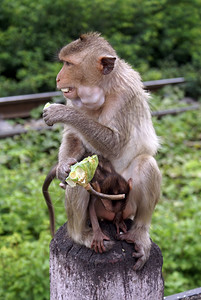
pixel 20 106
pixel 158 114
pixel 174 111
pixel 157 84
pixel 188 295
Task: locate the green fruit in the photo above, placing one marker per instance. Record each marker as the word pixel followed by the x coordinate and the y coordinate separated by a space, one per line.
pixel 47 105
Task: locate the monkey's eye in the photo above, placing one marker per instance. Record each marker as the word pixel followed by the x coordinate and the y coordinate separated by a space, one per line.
pixel 67 63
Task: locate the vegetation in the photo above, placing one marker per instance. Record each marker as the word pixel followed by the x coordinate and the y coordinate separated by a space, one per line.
pixel 24 241
pixel 176 221
pixel 24 223
pixel 159 38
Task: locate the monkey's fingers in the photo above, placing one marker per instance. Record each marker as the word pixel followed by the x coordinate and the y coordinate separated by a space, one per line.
pixel 140 254
pixel 137 255
pixel 120 225
pixel 64 169
pixel 63 185
pixel 126 237
pixel 46 118
pixel 139 264
pixel 101 247
pixel 94 246
pixel 123 227
pixel 98 243
pixel 104 245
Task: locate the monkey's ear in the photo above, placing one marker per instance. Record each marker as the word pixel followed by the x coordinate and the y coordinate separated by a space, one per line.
pixel 83 37
pixel 106 64
pixel 130 183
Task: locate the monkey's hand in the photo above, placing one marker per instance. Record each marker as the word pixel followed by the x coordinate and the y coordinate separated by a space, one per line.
pixel 53 113
pixel 63 169
pixel 142 249
pixel 98 241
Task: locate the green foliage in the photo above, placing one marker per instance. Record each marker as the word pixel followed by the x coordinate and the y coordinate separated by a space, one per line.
pixel 152 35
pixel 176 221
pixel 24 221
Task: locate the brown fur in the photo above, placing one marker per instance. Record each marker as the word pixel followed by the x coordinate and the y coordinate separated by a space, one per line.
pixel 117 126
pixel 106 180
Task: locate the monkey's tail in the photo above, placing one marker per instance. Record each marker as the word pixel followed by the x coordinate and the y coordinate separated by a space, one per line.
pixel 50 176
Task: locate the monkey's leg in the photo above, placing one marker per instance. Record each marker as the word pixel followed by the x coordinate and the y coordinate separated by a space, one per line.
pixel 142 200
pixel 119 223
pixel 77 201
pixel 98 235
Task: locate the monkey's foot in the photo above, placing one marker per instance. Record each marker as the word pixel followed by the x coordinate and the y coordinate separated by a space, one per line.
pixel 98 244
pixel 141 252
pixel 120 225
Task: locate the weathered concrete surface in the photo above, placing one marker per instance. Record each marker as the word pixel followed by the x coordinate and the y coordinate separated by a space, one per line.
pixel 78 273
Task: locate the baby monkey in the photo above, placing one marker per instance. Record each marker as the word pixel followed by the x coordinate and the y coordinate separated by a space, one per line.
pixel 109 193
pixel 107 181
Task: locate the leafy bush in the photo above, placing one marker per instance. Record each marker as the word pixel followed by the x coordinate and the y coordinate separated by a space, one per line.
pixel 176 221
pixel 24 224
pixel 147 33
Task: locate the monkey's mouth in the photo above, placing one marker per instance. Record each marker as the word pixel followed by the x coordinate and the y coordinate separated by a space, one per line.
pixel 69 92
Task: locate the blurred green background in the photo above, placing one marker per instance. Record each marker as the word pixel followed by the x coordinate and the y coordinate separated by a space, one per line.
pixel 160 39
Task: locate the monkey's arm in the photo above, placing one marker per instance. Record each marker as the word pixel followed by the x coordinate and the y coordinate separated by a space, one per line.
pixel 106 140
pixel 70 151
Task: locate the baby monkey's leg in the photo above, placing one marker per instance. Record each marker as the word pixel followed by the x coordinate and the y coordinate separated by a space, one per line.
pixel 98 243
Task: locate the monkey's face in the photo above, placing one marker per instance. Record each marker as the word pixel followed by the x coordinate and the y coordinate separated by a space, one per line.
pixel 69 78
pixel 84 67
pixel 80 84
pixel 76 86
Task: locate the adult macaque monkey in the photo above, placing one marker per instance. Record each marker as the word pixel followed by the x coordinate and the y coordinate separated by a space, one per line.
pixel 117 126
